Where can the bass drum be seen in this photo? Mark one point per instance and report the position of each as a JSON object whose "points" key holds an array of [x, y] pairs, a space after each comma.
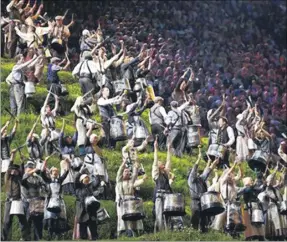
{"points": [[133, 209], [174, 204], [92, 205], [54, 205], [36, 206], [234, 218], [216, 151], [102, 215], [258, 160], [29, 89], [140, 132], [119, 86], [193, 138], [117, 129], [257, 217], [57, 45], [212, 203], [17, 207]]}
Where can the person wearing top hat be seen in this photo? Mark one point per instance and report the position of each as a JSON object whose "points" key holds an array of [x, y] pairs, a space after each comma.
{"points": [[226, 138], [13, 204]]}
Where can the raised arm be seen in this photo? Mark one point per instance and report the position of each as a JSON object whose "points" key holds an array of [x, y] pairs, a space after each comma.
{"points": [[120, 172], [5, 127], [56, 104], [29, 137], [168, 158], [155, 170], [109, 62], [193, 173], [27, 63]]}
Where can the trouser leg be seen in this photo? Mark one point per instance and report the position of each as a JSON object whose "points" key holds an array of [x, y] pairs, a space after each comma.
{"points": [[13, 105], [24, 227], [19, 98], [195, 219], [93, 228], [6, 227], [83, 230], [38, 227], [158, 130]]}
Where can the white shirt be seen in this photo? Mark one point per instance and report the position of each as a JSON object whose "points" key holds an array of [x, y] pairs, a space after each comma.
{"points": [[231, 136], [162, 112], [110, 101], [82, 68]]}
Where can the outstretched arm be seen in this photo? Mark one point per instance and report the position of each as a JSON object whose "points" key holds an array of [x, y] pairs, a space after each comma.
{"points": [[155, 170]]}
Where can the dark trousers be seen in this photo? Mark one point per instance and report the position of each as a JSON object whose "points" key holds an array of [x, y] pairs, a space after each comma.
{"points": [[7, 223], [157, 129], [37, 222], [86, 85], [93, 229], [198, 219], [110, 143]]}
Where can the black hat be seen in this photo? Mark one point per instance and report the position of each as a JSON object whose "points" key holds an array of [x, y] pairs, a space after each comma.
{"points": [[14, 167]]}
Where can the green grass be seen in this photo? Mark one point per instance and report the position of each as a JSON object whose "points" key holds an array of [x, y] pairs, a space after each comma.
{"points": [[180, 166]]}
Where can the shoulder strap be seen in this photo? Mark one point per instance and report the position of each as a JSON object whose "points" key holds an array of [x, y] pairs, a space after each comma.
{"points": [[176, 119], [89, 70], [81, 67]]}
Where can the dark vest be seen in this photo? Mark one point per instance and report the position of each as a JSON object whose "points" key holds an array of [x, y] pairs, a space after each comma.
{"points": [[52, 75], [222, 137]]}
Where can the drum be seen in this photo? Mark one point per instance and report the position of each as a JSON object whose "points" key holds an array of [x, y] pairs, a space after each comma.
{"points": [[215, 151], [257, 217], [36, 206], [17, 207], [212, 203], [5, 165], [77, 162], [193, 139], [100, 169], [258, 160], [132, 209], [119, 86], [196, 120], [140, 131], [234, 218], [283, 208], [29, 89], [57, 45], [54, 205], [102, 215], [117, 129], [92, 204], [251, 145], [174, 204]]}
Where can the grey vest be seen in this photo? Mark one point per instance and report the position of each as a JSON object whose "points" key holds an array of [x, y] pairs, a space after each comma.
{"points": [[155, 115]]}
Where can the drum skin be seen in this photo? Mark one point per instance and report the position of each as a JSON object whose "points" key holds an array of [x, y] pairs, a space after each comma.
{"points": [[133, 209], [174, 204], [258, 160], [215, 151], [17, 207], [212, 203]]}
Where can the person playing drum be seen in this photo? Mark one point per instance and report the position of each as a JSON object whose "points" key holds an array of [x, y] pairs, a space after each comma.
{"points": [[6, 141], [197, 186], [86, 219], [253, 219], [34, 190], [161, 176], [125, 189], [106, 112], [14, 204], [225, 138], [55, 218]]}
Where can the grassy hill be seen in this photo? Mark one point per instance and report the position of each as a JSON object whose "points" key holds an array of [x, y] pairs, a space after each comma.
{"points": [[180, 167]]}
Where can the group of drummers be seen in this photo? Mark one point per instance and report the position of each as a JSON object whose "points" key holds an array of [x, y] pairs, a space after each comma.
{"points": [[119, 89]]}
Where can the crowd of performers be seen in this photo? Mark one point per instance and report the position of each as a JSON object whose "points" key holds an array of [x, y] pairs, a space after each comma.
{"points": [[117, 86]]}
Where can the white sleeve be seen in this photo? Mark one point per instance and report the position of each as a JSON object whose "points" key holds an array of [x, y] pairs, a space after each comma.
{"points": [[282, 154], [76, 70], [231, 136], [162, 112], [103, 102]]}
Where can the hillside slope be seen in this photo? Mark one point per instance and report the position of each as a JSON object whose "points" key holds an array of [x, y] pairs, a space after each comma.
{"points": [[180, 167]]}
